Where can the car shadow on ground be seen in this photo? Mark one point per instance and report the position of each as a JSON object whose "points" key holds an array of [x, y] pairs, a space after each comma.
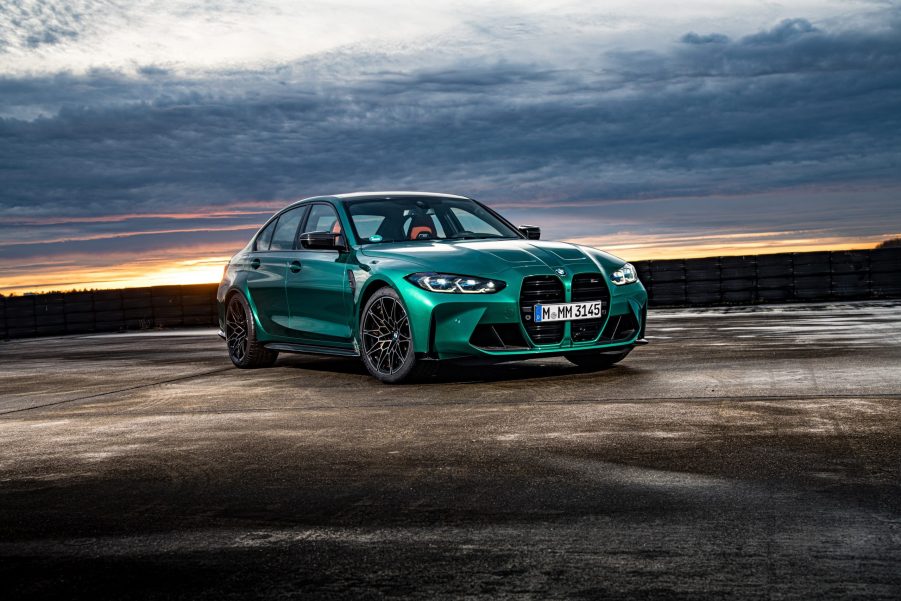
{"points": [[456, 373]]}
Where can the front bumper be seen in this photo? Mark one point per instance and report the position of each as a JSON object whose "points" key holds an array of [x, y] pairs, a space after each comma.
{"points": [[459, 326]]}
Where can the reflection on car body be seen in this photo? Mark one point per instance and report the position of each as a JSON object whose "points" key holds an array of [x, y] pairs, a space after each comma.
{"points": [[407, 280]]}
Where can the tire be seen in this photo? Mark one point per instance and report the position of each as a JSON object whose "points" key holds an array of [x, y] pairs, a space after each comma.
{"points": [[596, 361], [244, 349], [386, 340]]}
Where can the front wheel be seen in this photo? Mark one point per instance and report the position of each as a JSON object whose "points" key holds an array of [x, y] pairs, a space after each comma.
{"points": [[595, 361], [387, 339], [244, 349]]}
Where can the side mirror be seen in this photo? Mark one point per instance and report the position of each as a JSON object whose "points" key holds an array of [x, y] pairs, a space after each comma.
{"points": [[322, 241], [531, 232]]}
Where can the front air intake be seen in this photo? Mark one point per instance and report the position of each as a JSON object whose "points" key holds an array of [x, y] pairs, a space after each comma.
{"points": [[620, 328], [498, 337], [541, 289]]}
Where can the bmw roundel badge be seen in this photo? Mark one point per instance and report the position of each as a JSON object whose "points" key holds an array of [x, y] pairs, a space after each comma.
{"points": [[560, 271]]}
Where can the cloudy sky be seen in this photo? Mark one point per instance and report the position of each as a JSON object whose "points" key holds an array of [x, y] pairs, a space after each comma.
{"points": [[144, 142]]}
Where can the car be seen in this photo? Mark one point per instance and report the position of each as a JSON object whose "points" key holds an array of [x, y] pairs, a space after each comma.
{"points": [[408, 281]]}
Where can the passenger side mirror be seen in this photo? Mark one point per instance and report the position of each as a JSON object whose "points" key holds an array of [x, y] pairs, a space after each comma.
{"points": [[531, 232], [322, 241]]}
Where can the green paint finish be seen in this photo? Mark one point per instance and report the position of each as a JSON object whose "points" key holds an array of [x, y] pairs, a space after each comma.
{"points": [[315, 296]]}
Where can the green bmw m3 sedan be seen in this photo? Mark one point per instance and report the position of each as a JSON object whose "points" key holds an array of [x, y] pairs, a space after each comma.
{"points": [[408, 280]]}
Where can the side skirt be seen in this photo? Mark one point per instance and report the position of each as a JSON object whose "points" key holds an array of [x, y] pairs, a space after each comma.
{"points": [[311, 349]]}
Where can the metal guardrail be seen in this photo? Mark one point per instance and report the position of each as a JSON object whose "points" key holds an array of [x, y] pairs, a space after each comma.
{"points": [[745, 280]]}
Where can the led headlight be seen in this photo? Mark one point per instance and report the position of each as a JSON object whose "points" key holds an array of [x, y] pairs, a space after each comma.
{"points": [[624, 275], [456, 284]]}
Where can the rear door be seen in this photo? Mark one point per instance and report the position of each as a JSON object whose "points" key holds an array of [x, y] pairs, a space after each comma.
{"points": [[319, 295], [267, 269]]}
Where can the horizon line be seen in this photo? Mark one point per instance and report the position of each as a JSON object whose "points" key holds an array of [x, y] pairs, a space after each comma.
{"points": [[177, 280]]}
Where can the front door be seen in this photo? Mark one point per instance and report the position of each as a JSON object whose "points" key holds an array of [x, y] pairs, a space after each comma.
{"points": [[319, 294]]}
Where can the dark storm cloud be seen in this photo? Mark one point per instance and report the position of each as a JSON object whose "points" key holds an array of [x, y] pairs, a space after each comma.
{"points": [[793, 46], [710, 38], [68, 232], [794, 106]]}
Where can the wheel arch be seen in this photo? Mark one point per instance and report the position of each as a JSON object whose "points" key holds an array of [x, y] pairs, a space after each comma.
{"points": [[231, 292], [423, 338], [253, 350], [235, 290], [372, 286], [222, 305]]}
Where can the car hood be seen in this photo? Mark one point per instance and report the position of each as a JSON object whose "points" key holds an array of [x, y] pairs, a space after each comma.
{"points": [[491, 257]]}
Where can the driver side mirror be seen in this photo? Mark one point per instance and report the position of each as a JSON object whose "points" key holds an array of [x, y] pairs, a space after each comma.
{"points": [[531, 232], [322, 241]]}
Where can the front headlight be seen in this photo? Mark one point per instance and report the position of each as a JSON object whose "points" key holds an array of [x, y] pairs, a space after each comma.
{"points": [[624, 275], [456, 284]]}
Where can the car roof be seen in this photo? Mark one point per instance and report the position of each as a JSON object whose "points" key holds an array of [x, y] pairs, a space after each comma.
{"points": [[373, 195], [393, 194]]}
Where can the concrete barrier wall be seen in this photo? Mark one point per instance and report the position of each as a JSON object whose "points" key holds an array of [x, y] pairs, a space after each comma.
{"points": [[108, 310], [779, 278]]}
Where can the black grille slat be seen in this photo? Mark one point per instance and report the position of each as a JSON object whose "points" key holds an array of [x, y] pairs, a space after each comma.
{"points": [[589, 287], [498, 337], [541, 289], [549, 289]]}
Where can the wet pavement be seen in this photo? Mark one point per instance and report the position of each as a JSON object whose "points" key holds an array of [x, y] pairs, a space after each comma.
{"points": [[750, 453]]}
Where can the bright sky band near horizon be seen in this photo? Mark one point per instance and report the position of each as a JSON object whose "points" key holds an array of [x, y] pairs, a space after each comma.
{"points": [[144, 143]]}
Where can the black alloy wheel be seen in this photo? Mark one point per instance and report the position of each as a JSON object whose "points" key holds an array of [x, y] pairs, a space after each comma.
{"points": [[387, 339], [240, 335]]}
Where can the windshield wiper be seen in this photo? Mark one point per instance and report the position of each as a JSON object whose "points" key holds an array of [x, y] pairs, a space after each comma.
{"points": [[472, 236]]}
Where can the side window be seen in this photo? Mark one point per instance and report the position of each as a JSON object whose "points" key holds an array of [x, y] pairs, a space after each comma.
{"points": [[288, 222], [323, 218], [265, 237]]}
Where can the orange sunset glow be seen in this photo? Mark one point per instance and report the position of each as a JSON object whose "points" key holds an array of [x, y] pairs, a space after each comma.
{"points": [[201, 270], [638, 248], [206, 266]]}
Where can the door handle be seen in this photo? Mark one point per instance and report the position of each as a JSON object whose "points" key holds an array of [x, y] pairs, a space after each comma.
{"points": [[255, 263], [294, 266]]}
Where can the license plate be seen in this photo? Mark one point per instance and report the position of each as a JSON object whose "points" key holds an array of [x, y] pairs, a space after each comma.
{"points": [[568, 311]]}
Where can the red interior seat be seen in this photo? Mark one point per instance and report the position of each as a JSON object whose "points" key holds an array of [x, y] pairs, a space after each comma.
{"points": [[421, 224]]}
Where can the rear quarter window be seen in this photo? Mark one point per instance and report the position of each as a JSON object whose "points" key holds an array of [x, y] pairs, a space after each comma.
{"points": [[265, 237]]}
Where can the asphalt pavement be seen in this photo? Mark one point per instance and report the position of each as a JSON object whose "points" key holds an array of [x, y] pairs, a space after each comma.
{"points": [[745, 453]]}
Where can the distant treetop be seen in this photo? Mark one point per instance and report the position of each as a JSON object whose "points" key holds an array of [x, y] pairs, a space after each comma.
{"points": [[890, 243]]}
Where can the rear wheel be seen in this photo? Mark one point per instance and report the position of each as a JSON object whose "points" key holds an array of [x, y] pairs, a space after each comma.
{"points": [[244, 349], [387, 340], [597, 361]]}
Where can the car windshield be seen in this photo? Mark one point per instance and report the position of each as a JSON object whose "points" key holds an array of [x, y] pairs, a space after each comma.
{"points": [[424, 218]]}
